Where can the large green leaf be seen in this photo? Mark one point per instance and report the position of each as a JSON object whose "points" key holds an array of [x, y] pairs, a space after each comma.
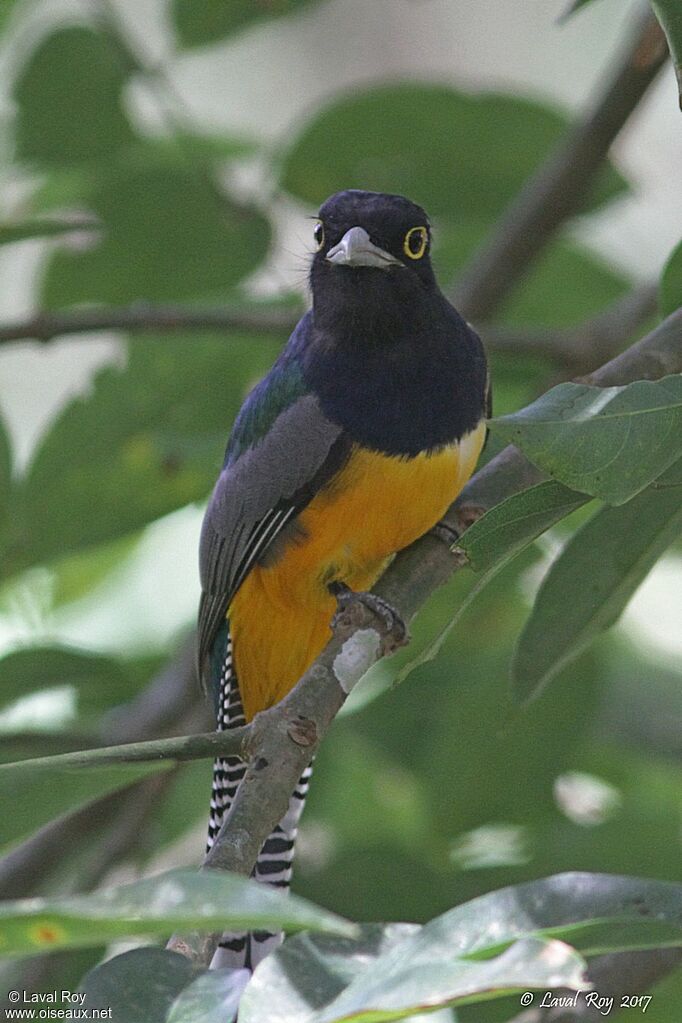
{"points": [[100, 681], [490, 544], [610, 442], [167, 235], [591, 582], [310, 970], [213, 20], [433, 965], [30, 798], [210, 900], [669, 14], [671, 283], [456, 154], [69, 100], [517, 521], [138, 986], [144, 441], [427, 983], [211, 997]]}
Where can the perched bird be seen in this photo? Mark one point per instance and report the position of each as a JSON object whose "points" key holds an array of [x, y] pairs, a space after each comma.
{"points": [[356, 442]]}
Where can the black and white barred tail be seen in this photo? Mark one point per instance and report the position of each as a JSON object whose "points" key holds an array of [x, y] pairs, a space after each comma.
{"points": [[274, 864]]}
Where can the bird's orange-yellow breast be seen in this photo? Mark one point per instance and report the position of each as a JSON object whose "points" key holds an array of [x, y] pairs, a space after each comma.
{"points": [[376, 505]]}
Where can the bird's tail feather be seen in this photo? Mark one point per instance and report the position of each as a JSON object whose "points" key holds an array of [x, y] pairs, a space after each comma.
{"points": [[274, 863]]}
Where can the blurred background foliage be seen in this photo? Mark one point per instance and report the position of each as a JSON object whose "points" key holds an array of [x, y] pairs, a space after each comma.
{"points": [[425, 794]]}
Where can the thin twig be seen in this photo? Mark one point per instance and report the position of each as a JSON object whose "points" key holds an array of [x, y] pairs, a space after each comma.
{"points": [[559, 188], [183, 747]]}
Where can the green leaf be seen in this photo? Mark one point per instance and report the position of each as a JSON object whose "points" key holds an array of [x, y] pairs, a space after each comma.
{"points": [[610, 442], [309, 970], [672, 477], [456, 154], [214, 20], [167, 234], [671, 283], [100, 681], [211, 997], [431, 982], [432, 965], [490, 544], [669, 14], [514, 523], [591, 582], [137, 986], [184, 900], [26, 808], [144, 441], [69, 100], [311, 974]]}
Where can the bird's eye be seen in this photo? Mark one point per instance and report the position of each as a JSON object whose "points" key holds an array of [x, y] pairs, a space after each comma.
{"points": [[415, 242], [318, 235]]}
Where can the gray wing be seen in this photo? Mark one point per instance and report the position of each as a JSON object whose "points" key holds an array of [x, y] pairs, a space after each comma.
{"points": [[255, 497]]}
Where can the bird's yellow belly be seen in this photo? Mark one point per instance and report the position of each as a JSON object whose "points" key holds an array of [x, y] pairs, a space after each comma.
{"points": [[376, 505]]}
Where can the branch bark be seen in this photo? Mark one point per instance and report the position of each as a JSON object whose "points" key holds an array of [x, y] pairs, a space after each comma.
{"points": [[558, 189], [283, 739]]}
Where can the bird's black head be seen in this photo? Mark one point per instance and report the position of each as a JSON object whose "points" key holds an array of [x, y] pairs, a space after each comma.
{"points": [[372, 257]]}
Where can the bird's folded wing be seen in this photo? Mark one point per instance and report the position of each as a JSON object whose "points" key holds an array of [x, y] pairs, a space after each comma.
{"points": [[256, 496]]}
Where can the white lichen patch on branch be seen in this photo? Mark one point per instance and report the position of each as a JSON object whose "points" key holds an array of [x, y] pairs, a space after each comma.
{"points": [[356, 656]]}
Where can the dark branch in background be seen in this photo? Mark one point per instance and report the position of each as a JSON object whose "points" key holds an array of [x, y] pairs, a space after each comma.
{"points": [[574, 350], [282, 740], [46, 326], [577, 350], [559, 188]]}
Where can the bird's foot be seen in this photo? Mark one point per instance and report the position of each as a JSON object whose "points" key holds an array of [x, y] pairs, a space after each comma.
{"points": [[357, 609]]}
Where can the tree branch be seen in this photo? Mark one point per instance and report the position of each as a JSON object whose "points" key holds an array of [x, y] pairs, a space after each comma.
{"points": [[559, 188], [579, 349], [45, 326], [284, 738], [575, 350]]}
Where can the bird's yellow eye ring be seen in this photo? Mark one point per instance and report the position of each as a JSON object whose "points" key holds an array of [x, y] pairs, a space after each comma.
{"points": [[318, 235], [415, 242]]}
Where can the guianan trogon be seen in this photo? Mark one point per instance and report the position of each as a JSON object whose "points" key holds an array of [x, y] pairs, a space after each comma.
{"points": [[355, 443]]}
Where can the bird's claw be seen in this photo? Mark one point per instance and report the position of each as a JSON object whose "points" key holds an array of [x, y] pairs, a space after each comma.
{"points": [[352, 612]]}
